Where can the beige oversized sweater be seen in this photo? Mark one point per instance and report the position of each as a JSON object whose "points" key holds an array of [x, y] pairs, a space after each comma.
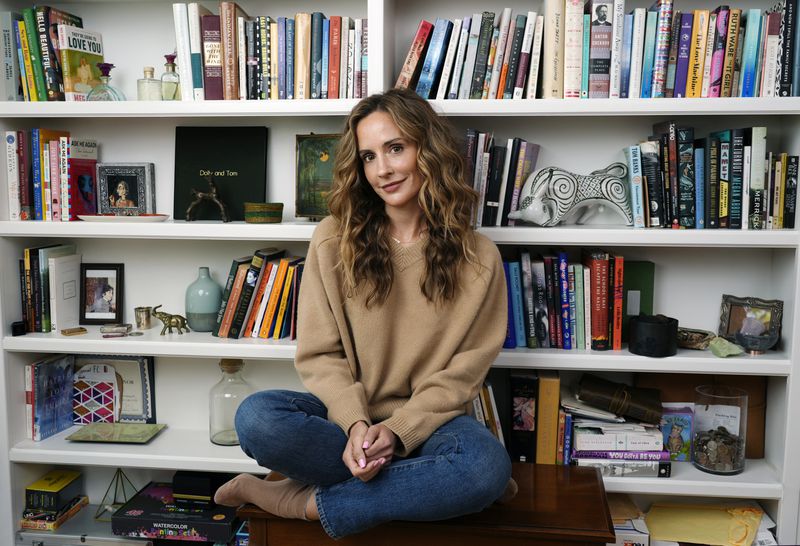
{"points": [[408, 363]]}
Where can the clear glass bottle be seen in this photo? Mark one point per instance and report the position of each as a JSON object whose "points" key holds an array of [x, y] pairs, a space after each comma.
{"points": [[170, 80], [104, 91], [148, 87], [224, 400]]}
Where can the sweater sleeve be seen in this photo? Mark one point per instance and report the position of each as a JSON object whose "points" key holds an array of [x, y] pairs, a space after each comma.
{"points": [[444, 395], [321, 359]]}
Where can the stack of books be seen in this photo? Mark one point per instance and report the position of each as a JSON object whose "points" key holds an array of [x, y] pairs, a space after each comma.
{"points": [[53, 499]]}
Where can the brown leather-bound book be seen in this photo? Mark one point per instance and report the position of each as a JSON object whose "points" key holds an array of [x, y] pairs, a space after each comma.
{"points": [[635, 402], [228, 12], [212, 57]]}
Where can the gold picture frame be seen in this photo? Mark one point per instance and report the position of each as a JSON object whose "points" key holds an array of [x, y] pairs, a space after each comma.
{"points": [[314, 174]]}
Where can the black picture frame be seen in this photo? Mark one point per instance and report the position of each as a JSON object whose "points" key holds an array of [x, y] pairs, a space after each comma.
{"points": [[315, 156], [734, 310], [96, 306], [126, 189], [138, 380]]}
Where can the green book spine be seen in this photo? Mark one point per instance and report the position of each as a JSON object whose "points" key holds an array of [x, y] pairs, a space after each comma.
{"points": [[29, 15]]}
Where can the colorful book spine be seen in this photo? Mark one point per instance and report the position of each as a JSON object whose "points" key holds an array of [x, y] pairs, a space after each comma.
{"points": [[34, 51], [686, 180], [625, 66], [573, 48], [12, 175], [563, 290], [212, 58], [648, 58], [699, 184], [587, 42], [536, 58], [718, 54], [694, 81], [326, 36], [623, 455], [412, 65], [290, 58], [315, 67], [434, 58], [684, 49], [752, 41], [481, 55], [615, 68], [516, 302], [517, 37], [511, 336], [672, 64], [553, 51], [731, 45], [29, 85], [736, 179], [661, 52]]}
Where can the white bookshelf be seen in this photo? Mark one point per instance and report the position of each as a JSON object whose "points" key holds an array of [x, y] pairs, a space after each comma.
{"points": [[693, 268]]}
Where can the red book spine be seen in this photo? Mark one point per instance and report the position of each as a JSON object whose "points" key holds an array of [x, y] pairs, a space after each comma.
{"points": [[413, 62], [23, 163], [619, 268], [334, 56], [598, 266], [212, 57]]}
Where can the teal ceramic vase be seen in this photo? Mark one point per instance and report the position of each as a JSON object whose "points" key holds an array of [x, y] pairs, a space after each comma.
{"points": [[203, 298]]}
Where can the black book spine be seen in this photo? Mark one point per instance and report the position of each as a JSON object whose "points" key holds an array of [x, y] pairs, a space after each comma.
{"points": [[712, 183], [663, 171], [226, 294], [492, 198], [735, 213], [787, 51], [36, 282], [513, 60], [512, 174], [248, 288], [686, 193], [790, 198], [650, 170], [482, 55], [522, 440], [23, 292]]}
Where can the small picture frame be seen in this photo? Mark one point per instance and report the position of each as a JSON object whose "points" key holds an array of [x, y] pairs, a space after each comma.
{"points": [[750, 316], [102, 291], [126, 189], [314, 174], [138, 384]]}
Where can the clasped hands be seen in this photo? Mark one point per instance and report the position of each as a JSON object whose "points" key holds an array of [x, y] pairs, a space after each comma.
{"points": [[368, 449]]}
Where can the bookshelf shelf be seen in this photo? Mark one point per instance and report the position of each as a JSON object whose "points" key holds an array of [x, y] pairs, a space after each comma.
{"points": [[620, 107], [177, 109], [758, 481], [173, 448]]}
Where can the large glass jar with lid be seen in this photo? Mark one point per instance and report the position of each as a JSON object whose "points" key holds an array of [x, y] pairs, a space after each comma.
{"points": [[224, 400]]}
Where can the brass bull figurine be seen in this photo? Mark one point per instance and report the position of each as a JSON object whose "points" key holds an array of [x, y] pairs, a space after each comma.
{"points": [[169, 321]]}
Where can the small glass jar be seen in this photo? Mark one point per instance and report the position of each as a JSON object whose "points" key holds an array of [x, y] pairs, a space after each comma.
{"points": [[720, 429], [224, 400], [170, 80], [148, 87], [104, 91]]}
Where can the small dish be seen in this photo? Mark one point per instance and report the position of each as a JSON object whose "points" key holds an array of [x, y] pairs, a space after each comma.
{"points": [[132, 219]]}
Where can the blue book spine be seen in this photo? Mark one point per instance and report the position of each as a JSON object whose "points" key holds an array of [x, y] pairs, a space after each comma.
{"points": [[635, 180], [700, 188], [752, 41], [18, 44], [511, 335], [649, 53], [326, 36], [281, 57], [567, 438], [516, 294], [289, 58], [795, 57], [587, 40], [627, 36], [316, 54], [432, 67], [36, 164], [573, 305], [684, 49], [563, 289]]}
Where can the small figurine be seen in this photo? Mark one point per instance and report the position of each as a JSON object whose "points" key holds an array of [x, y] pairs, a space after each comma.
{"points": [[169, 321], [211, 195], [550, 195]]}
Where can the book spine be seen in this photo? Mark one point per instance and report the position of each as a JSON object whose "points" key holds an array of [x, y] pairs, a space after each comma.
{"points": [[272, 68], [598, 265], [26, 71], [623, 455], [234, 301], [274, 300], [180, 14], [12, 175], [226, 293], [29, 401], [709, 53], [568, 439], [458, 62], [648, 57], [525, 55], [694, 80], [573, 48], [563, 287], [40, 88], [316, 55], [573, 308], [684, 48], [63, 170], [38, 206], [650, 171], [615, 68], [252, 64], [25, 182], [449, 60], [334, 56], [718, 54], [752, 40], [536, 58], [579, 330], [553, 54], [735, 214], [723, 187], [516, 38], [731, 44], [661, 58], [540, 304], [212, 57], [699, 184], [516, 301], [588, 440], [229, 50], [553, 315], [364, 57], [326, 46], [262, 306], [55, 181], [686, 190], [528, 308], [277, 331], [355, 86], [638, 469], [712, 184], [672, 63], [587, 308], [634, 157], [637, 53], [600, 61], [619, 277], [302, 56], [625, 65], [195, 11], [412, 65], [241, 55], [790, 199], [500, 57], [246, 298], [562, 420], [547, 417], [11, 77], [434, 58], [783, 85], [264, 54]]}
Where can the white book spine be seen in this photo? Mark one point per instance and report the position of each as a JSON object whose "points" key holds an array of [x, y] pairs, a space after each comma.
{"points": [[12, 176], [241, 57], [587, 308], [618, 23], [746, 188], [48, 194], [195, 11], [637, 52], [553, 54], [458, 63], [536, 56], [351, 57], [450, 56], [709, 53], [771, 52], [29, 401], [573, 48], [482, 189], [262, 308], [359, 29], [469, 59], [343, 56], [181, 20], [63, 166], [53, 295], [502, 40], [527, 43]]}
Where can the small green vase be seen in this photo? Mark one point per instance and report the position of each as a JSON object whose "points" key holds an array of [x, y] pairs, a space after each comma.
{"points": [[203, 298]]}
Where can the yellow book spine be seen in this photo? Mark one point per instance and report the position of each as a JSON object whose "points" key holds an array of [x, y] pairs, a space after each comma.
{"points": [[274, 299], [302, 56], [287, 287], [26, 59], [694, 83], [547, 417], [734, 22], [273, 60]]}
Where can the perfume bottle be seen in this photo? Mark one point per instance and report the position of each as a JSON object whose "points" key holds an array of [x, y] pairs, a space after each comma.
{"points": [[224, 400], [148, 88], [170, 80], [104, 91]]}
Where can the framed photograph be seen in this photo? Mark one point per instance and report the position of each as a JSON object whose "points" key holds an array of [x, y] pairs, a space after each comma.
{"points": [[138, 384], [750, 316], [314, 174], [126, 189], [101, 293]]}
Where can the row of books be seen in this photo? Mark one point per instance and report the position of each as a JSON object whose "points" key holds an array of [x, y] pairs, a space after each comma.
{"points": [[556, 303], [727, 179], [260, 296], [594, 49], [43, 272], [50, 176], [53, 499], [498, 174], [233, 56]]}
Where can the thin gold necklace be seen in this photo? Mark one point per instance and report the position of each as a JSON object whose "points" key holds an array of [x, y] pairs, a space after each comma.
{"points": [[415, 239]]}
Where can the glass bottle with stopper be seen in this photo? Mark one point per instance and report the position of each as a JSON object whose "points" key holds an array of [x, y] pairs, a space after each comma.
{"points": [[170, 80], [148, 87], [104, 91]]}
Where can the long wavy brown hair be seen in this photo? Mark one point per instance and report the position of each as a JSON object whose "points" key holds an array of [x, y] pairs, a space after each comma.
{"points": [[446, 199]]}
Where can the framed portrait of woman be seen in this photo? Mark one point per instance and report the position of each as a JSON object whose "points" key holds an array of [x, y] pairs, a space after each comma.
{"points": [[126, 189], [101, 293]]}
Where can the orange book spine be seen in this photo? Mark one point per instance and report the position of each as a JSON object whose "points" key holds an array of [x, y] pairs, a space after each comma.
{"points": [[233, 300], [257, 301], [274, 298], [547, 417], [287, 287], [562, 421], [619, 270]]}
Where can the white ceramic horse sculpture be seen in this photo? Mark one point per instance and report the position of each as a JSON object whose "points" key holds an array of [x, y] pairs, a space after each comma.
{"points": [[551, 195]]}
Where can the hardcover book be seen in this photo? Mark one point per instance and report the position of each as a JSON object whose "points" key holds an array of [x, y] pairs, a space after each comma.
{"points": [[152, 512], [235, 158], [49, 390], [47, 21]]}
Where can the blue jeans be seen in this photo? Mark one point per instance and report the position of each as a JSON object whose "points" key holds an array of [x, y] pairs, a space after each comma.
{"points": [[459, 470]]}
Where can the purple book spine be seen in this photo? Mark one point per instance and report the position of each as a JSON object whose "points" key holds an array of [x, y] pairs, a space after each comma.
{"points": [[684, 48], [622, 455], [718, 56]]}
